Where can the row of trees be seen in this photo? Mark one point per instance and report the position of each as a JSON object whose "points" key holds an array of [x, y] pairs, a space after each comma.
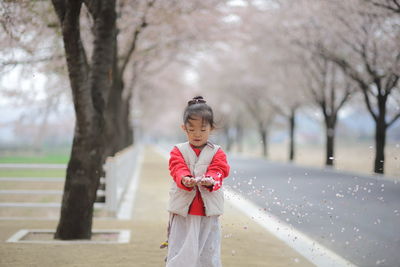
{"points": [[109, 47], [320, 53], [262, 59]]}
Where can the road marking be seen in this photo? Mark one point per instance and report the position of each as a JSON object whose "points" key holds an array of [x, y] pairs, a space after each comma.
{"points": [[306, 246]]}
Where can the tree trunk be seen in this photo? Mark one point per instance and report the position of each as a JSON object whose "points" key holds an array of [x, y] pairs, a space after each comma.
{"points": [[330, 125], [380, 141], [228, 138], [115, 131], [264, 138], [126, 124], [292, 123], [90, 86], [226, 135], [120, 128], [380, 132], [113, 113], [80, 188], [239, 136]]}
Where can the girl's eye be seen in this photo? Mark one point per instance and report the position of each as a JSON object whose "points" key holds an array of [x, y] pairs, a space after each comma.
{"points": [[203, 130]]}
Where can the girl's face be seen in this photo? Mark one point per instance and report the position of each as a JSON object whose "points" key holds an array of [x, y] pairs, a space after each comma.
{"points": [[196, 132]]}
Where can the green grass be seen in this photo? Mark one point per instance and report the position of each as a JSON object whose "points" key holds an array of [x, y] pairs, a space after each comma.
{"points": [[46, 155], [55, 159], [32, 172]]}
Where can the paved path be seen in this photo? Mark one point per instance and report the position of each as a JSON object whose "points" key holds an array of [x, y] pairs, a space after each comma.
{"points": [[355, 216], [245, 243]]}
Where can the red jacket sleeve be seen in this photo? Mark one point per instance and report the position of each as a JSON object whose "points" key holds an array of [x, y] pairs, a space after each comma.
{"points": [[178, 168], [218, 169]]}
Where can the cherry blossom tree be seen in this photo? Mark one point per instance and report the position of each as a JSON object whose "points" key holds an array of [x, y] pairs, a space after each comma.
{"points": [[365, 46]]}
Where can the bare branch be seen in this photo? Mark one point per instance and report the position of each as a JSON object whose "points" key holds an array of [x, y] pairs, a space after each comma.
{"points": [[136, 33], [368, 102], [396, 117], [391, 83], [392, 5], [31, 61]]}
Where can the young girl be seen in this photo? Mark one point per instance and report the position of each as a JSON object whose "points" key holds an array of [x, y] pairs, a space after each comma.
{"points": [[198, 168]]}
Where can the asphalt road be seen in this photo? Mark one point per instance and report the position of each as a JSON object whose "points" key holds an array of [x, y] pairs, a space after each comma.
{"points": [[355, 216]]}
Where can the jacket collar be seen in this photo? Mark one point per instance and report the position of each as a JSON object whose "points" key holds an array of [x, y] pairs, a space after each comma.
{"points": [[210, 144], [207, 144]]}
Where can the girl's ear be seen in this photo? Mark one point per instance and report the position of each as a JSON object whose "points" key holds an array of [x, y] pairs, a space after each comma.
{"points": [[183, 127]]}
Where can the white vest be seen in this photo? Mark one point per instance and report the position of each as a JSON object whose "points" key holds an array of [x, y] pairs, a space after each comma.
{"points": [[181, 199]]}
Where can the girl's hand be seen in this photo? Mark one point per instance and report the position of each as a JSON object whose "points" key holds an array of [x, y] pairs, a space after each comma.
{"points": [[188, 181], [207, 181]]}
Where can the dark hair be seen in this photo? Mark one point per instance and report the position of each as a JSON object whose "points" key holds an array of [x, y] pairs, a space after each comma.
{"points": [[197, 107]]}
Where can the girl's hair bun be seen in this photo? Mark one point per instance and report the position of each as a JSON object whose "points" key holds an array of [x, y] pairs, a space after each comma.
{"points": [[196, 100], [197, 107]]}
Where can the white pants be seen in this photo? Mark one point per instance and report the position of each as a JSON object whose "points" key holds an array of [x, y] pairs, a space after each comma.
{"points": [[194, 241]]}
